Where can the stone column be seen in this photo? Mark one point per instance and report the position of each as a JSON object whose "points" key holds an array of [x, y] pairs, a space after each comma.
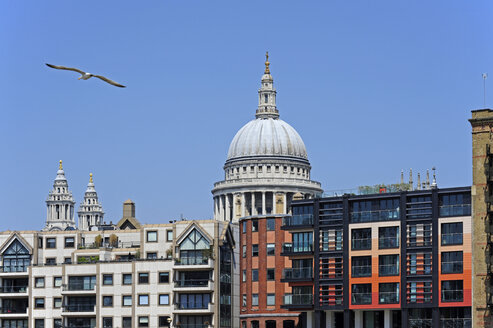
{"points": [[243, 201], [215, 208], [254, 210], [227, 208], [285, 199], [221, 207], [263, 203], [234, 207], [273, 203], [386, 320]]}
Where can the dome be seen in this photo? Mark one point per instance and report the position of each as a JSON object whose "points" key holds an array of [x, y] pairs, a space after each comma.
{"points": [[267, 137]]}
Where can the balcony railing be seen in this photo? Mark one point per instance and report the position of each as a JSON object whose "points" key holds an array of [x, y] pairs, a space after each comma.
{"points": [[297, 220], [298, 273], [455, 210], [360, 243], [388, 297], [452, 267], [298, 299], [78, 287], [8, 310], [192, 261], [361, 298], [455, 323], [193, 326], [379, 215], [452, 295], [388, 242], [79, 308], [451, 239], [192, 306], [297, 248], [13, 289], [361, 270], [18, 268], [420, 323], [388, 270], [192, 283]]}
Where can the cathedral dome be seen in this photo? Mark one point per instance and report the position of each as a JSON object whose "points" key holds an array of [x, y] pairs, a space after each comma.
{"points": [[269, 137]]}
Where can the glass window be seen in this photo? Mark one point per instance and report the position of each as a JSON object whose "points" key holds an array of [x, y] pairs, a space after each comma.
{"points": [[244, 226], [39, 282], [254, 250], [271, 224], [254, 225], [452, 233], [50, 261], [271, 274], [452, 291], [107, 300], [39, 323], [127, 300], [243, 251], [255, 275], [163, 299], [57, 302], [361, 239], [163, 277], [127, 278], [254, 299], [57, 323], [255, 324], [169, 235], [152, 256], [452, 262], [67, 260], [40, 242], [143, 277], [361, 266], [243, 324], [144, 299], [107, 279], [164, 321], [39, 303], [455, 205], [107, 322], [361, 294], [57, 281], [388, 293], [375, 210], [69, 242], [388, 237], [388, 265], [271, 249], [302, 242], [243, 276], [151, 236], [195, 249], [271, 299], [127, 322], [143, 321], [50, 242], [244, 300]]}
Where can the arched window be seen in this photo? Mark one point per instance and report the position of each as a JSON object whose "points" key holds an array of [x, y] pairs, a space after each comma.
{"points": [[16, 258], [195, 249]]}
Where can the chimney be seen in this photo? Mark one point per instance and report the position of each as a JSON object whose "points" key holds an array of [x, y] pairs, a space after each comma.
{"points": [[128, 209]]}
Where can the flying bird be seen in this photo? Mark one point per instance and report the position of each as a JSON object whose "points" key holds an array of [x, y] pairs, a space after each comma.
{"points": [[86, 75]]}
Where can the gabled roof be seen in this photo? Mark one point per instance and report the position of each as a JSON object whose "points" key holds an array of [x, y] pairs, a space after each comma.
{"points": [[13, 237], [131, 223], [189, 228]]}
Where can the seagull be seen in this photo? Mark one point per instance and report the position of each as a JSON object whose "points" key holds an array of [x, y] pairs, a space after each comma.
{"points": [[86, 75]]}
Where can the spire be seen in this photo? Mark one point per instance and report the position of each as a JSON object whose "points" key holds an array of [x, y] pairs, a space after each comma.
{"points": [[419, 181], [402, 176], [60, 167], [267, 95], [90, 209], [434, 183], [90, 178], [427, 179], [411, 178]]}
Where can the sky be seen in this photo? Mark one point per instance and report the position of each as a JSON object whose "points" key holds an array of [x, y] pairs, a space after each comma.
{"points": [[373, 88]]}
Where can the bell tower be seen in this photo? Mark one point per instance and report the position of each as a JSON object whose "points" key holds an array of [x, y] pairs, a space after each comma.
{"points": [[90, 210]]}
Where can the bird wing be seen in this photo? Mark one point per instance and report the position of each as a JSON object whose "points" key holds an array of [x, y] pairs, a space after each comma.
{"points": [[109, 81], [66, 68]]}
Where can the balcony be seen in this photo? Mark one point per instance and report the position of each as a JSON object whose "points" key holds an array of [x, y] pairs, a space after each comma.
{"points": [[14, 310], [451, 239], [455, 322], [455, 210], [373, 216], [194, 263], [78, 289], [297, 221], [16, 290], [388, 242], [297, 274], [79, 310], [388, 297], [195, 284], [388, 270], [360, 298], [289, 249], [185, 308], [360, 244], [298, 301], [452, 267], [360, 271], [16, 270]]}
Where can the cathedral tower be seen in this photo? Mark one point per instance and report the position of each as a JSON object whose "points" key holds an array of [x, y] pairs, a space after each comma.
{"points": [[60, 204], [90, 210]]}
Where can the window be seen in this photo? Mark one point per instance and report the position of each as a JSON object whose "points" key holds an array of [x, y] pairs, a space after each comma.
{"points": [[388, 237], [50, 243], [243, 324], [107, 300], [271, 274], [388, 265], [452, 291], [331, 240], [57, 302], [163, 299], [244, 226], [50, 261], [375, 210], [107, 322], [164, 277], [271, 299], [39, 282], [57, 281], [244, 300], [255, 324], [452, 262], [455, 205], [143, 321], [254, 225], [69, 242], [151, 236], [67, 260], [57, 323], [169, 235], [127, 300], [452, 233], [361, 266], [360, 239], [255, 275], [39, 323], [39, 303], [243, 251], [144, 299], [254, 299], [243, 276], [143, 277], [254, 250], [127, 322], [388, 293], [151, 256], [195, 249], [107, 279], [271, 224], [271, 249], [127, 278], [164, 321], [40, 242], [302, 242], [361, 294]]}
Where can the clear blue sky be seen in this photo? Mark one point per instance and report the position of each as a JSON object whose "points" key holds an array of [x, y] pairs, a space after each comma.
{"points": [[372, 87]]}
